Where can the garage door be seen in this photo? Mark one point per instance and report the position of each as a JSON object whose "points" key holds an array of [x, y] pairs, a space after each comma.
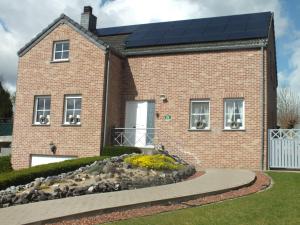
{"points": [[45, 159]]}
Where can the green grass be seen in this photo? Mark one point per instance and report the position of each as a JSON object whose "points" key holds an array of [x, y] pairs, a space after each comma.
{"points": [[279, 205], [5, 165]]}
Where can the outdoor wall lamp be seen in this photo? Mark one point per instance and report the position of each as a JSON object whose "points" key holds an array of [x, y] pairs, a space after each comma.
{"points": [[52, 147], [163, 97]]}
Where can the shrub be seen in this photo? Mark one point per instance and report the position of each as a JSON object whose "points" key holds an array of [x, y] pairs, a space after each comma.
{"points": [[119, 150], [25, 176], [156, 162], [5, 165]]}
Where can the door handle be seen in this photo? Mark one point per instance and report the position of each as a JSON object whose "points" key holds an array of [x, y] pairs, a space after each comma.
{"points": [[134, 127]]}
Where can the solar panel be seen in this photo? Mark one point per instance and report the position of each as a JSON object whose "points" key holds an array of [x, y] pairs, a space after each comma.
{"points": [[198, 31], [116, 30]]}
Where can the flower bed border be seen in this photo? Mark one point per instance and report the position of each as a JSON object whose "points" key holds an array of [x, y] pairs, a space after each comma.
{"points": [[262, 182]]}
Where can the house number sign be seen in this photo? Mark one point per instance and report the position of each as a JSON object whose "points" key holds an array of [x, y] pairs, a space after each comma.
{"points": [[167, 117]]}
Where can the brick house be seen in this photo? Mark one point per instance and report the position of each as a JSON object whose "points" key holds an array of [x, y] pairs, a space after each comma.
{"points": [[204, 88]]}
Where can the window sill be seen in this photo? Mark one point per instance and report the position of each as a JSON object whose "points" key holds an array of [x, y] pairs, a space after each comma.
{"points": [[71, 125], [60, 61], [234, 129], [199, 130], [41, 125]]}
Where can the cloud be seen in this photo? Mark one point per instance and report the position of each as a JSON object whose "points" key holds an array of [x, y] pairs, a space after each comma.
{"points": [[20, 21], [293, 78]]}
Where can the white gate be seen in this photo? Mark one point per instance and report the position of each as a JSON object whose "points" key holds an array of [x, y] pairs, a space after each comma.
{"points": [[284, 148]]}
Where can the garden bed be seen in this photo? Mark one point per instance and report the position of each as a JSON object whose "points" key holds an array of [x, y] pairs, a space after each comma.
{"points": [[111, 174]]}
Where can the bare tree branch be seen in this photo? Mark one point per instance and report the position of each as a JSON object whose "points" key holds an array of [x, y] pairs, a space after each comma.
{"points": [[288, 108]]}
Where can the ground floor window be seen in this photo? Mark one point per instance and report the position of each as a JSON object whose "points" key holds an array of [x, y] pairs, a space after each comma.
{"points": [[72, 110], [234, 117], [200, 115], [42, 110]]}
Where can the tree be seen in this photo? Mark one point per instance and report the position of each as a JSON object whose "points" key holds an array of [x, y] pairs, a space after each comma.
{"points": [[6, 107], [288, 108]]}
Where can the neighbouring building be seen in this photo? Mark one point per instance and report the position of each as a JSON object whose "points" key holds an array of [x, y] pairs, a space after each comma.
{"points": [[204, 88]]}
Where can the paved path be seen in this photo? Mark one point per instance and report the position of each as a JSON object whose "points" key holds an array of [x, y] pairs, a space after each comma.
{"points": [[214, 180]]}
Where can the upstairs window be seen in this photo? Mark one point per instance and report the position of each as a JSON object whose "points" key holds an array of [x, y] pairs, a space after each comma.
{"points": [[72, 110], [200, 115], [42, 110], [61, 51], [234, 114]]}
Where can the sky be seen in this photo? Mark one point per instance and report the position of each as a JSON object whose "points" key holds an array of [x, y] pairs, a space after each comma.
{"points": [[21, 20]]}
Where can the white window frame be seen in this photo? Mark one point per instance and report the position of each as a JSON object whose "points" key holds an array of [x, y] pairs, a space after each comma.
{"points": [[199, 114], [74, 109], [35, 119], [234, 99], [62, 51]]}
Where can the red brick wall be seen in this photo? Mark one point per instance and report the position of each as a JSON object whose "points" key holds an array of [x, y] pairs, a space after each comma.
{"points": [[211, 75], [114, 94], [83, 74], [208, 75]]}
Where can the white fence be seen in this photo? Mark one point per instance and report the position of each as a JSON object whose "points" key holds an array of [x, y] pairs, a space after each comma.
{"points": [[138, 137], [284, 148]]}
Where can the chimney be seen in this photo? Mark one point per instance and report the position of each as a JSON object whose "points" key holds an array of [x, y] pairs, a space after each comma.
{"points": [[88, 20]]}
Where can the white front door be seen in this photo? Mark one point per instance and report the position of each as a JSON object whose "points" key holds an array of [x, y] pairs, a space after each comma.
{"points": [[137, 122]]}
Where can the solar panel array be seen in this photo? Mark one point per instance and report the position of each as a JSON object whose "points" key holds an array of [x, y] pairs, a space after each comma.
{"points": [[117, 30], [226, 28]]}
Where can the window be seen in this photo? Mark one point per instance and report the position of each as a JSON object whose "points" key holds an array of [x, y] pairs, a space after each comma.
{"points": [[42, 110], [200, 115], [72, 110], [234, 114], [61, 51]]}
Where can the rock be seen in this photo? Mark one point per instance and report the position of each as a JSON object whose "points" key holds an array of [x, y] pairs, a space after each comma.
{"points": [[108, 168], [37, 183], [97, 178], [62, 176], [66, 188], [101, 187], [90, 190], [5, 205], [42, 197], [55, 187], [73, 184], [79, 190], [51, 180], [126, 166], [163, 175]]}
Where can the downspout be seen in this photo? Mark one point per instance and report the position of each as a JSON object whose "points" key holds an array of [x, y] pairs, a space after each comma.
{"points": [[107, 56], [263, 108]]}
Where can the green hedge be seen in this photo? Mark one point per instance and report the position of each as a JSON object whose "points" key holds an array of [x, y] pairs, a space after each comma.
{"points": [[25, 176], [119, 150], [5, 165]]}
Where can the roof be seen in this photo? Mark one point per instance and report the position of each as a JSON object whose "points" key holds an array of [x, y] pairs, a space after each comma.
{"points": [[195, 31], [213, 33], [63, 19]]}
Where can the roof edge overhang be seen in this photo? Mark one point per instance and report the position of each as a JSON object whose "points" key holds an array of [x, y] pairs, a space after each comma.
{"points": [[257, 45], [63, 19]]}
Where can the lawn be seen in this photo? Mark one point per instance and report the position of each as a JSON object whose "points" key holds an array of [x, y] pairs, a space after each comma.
{"points": [[278, 205]]}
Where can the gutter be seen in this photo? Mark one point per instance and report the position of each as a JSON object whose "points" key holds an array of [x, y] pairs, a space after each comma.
{"points": [[262, 43], [107, 65]]}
